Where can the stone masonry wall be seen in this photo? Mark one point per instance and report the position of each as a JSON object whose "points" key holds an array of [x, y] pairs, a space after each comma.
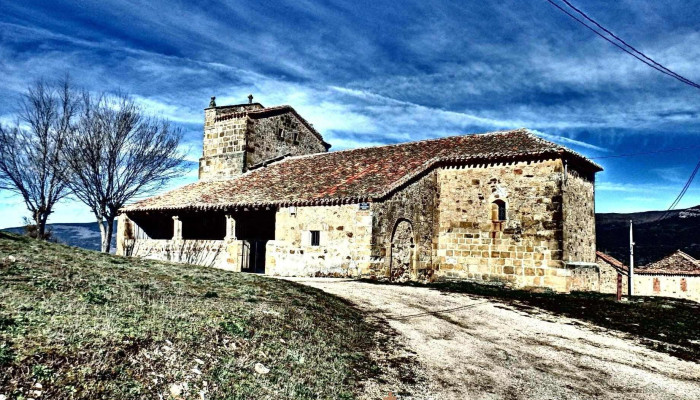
{"points": [[585, 278], [608, 278], [279, 135], [209, 253], [344, 248], [224, 144], [417, 204], [579, 218], [522, 251]]}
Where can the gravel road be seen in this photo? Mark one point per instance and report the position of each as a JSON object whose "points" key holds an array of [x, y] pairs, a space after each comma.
{"points": [[470, 347]]}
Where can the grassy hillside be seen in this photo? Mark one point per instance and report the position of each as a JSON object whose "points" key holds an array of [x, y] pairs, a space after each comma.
{"points": [[79, 324]]}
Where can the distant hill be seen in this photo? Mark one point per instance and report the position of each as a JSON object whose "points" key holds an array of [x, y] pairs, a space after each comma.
{"points": [[83, 235], [654, 240]]}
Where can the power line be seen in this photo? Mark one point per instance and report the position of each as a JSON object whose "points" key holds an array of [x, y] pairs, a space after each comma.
{"points": [[677, 76], [633, 52], [681, 194]]}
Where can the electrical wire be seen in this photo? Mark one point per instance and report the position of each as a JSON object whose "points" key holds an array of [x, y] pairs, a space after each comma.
{"points": [[677, 76], [641, 57], [681, 194]]}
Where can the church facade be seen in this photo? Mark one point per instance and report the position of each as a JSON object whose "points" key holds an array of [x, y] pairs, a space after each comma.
{"points": [[503, 206]]}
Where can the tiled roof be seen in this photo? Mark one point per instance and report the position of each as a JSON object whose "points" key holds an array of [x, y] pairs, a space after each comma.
{"points": [[678, 263], [356, 175], [614, 262]]}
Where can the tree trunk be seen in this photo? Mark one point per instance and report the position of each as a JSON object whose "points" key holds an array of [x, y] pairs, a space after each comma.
{"points": [[103, 235], [107, 243], [40, 221]]}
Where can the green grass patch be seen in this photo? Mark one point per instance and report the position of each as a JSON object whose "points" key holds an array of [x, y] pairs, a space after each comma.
{"points": [[664, 324], [85, 325]]}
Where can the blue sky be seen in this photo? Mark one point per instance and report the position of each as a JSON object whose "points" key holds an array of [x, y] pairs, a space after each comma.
{"points": [[375, 72]]}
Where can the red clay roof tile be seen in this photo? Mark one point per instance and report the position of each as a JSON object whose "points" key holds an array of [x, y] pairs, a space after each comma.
{"points": [[355, 175]]}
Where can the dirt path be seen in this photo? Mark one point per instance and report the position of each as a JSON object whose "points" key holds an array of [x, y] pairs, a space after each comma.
{"points": [[474, 348]]}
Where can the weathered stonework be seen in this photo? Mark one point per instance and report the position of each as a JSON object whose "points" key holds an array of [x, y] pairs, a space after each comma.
{"points": [[523, 250], [608, 278], [277, 136], [578, 216], [237, 138], [414, 206], [344, 243]]}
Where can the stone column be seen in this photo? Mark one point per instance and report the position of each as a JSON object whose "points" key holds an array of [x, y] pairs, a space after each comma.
{"points": [[177, 228], [230, 228]]}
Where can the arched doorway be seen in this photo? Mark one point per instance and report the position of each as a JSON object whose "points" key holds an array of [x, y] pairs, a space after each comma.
{"points": [[402, 248]]}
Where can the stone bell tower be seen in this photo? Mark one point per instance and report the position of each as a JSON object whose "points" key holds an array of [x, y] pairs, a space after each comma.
{"points": [[241, 137]]}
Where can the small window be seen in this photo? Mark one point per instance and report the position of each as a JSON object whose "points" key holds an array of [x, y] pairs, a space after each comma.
{"points": [[315, 238], [498, 210]]}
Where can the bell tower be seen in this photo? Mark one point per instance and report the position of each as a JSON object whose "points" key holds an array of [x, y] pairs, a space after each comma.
{"points": [[246, 136]]}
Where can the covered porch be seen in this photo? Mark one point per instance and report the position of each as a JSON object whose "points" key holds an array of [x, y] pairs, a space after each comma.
{"points": [[233, 239]]}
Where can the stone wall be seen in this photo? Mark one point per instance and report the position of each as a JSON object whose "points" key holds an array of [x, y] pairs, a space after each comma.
{"points": [[210, 253], [413, 206], [278, 135], [233, 142], [585, 278], [224, 143], [522, 251], [608, 278], [343, 250], [578, 198]]}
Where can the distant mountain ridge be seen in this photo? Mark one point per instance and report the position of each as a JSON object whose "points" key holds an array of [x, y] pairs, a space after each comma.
{"points": [[653, 239], [84, 235]]}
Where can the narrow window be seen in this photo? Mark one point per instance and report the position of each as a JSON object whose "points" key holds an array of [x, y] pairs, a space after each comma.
{"points": [[498, 210], [315, 238]]}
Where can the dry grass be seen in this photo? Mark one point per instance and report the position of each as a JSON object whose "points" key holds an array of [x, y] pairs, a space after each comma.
{"points": [[76, 324]]}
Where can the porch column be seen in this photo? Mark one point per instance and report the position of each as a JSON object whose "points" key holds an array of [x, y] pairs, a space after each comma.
{"points": [[230, 227], [177, 228]]}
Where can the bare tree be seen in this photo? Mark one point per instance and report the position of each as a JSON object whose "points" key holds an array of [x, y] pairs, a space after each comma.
{"points": [[31, 151], [118, 152]]}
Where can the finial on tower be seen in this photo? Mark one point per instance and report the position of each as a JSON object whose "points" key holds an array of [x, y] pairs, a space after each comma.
{"points": [[250, 99], [212, 102]]}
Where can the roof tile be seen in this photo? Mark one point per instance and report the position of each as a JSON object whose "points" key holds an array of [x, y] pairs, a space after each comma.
{"points": [[354, 175]]}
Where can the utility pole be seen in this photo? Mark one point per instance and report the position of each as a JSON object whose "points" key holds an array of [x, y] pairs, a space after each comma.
{"points": [[630, 279]]}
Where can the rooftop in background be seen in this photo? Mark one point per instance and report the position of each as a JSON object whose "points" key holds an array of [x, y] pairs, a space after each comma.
{"points": [[364, 174], [678, 263]]}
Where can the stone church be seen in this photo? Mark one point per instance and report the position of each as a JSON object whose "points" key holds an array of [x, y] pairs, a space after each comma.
{"points": [[502, 206]]}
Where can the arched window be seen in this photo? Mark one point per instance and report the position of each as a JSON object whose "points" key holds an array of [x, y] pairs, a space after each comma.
{"points": [[498, 210]]}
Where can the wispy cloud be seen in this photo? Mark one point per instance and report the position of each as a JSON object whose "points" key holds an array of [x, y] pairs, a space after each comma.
{"points": [[373, 73]]}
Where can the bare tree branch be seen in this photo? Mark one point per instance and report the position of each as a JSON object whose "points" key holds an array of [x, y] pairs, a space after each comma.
{"points": [[31, 156], [117, 153]]}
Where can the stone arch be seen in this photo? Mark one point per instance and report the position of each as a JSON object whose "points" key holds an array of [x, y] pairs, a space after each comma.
{"points": [[402, 251]]}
